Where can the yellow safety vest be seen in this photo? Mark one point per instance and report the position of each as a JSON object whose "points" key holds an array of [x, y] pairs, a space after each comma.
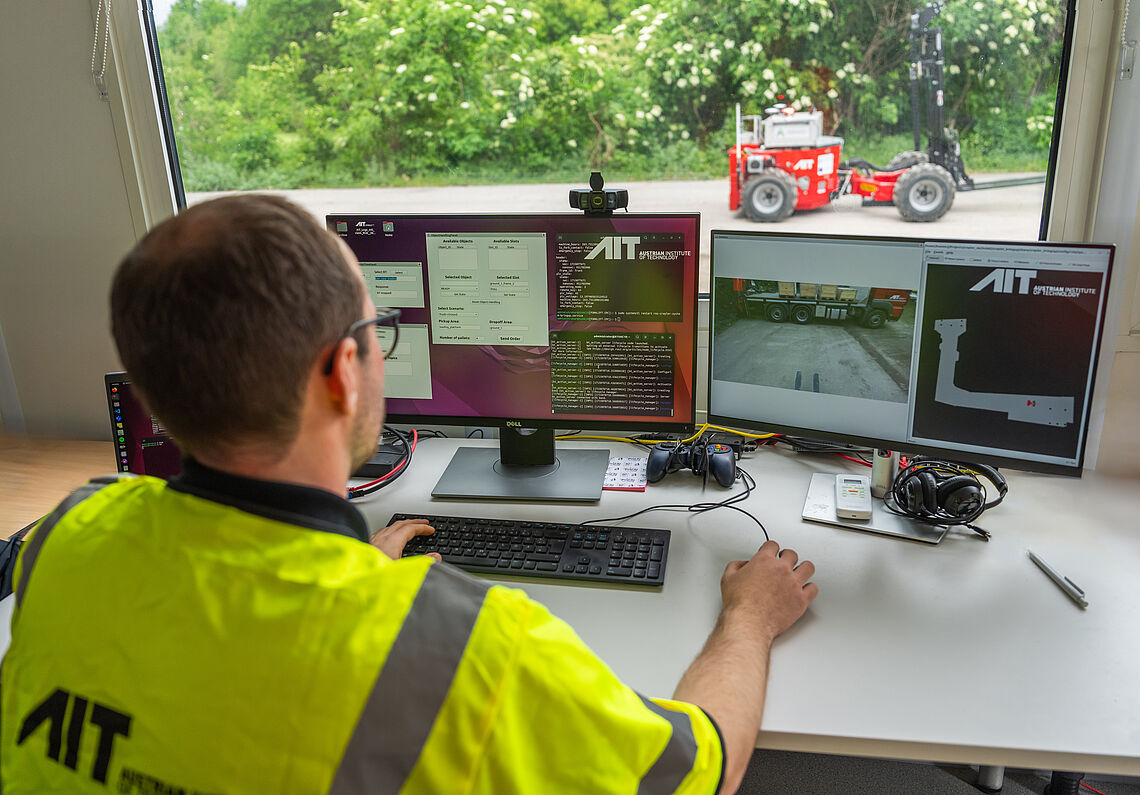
{"points": [[167, 643]]}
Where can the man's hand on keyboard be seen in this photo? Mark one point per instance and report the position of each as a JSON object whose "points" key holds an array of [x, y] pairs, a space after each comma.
{"points": [[391, 540]]}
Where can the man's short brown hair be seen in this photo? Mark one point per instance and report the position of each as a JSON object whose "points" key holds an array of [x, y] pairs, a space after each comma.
{"points": [[220, 312]]}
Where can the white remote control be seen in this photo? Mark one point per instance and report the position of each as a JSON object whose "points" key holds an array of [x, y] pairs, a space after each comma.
{"points": [[852, 497]]}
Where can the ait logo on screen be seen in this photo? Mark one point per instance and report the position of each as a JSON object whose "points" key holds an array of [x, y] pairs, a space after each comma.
{"points": [[1006, 280], [616, 248]]}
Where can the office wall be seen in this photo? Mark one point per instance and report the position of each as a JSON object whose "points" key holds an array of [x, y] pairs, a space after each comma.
{"points": [[65, 219]]}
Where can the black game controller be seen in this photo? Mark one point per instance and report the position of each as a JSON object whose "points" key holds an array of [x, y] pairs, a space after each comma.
{"points": [[703, 459]]}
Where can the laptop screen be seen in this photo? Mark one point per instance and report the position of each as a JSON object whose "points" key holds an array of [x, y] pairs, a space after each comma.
{"points": [[142, 445]]}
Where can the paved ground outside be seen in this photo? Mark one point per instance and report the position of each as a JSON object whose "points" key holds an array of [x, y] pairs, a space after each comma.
{"points": [[1012, 213], [836, 357]]}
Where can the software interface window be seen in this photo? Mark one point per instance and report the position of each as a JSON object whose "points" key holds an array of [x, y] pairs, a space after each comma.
{"points": [[556, 318], [973, 347]]}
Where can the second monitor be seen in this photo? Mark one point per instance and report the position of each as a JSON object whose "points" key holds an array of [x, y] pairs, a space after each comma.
{"points": [[529, 323]]}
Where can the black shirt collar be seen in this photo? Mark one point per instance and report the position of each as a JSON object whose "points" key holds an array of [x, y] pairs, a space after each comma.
{"points": [[305, 506]]}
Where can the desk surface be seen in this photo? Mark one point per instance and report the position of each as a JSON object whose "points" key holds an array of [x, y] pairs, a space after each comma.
{"points": [[36, 474], [963, 652]]}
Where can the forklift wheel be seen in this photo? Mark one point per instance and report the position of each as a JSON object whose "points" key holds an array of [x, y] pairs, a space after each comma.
{"points": [[769, 196], [924, 192]]}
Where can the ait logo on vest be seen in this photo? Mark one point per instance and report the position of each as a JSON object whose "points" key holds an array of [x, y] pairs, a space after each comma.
{"points": [[53, 710]]}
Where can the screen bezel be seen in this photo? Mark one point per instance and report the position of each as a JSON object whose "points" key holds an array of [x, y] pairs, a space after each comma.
{"points": [[897, 444], [665, 426]]}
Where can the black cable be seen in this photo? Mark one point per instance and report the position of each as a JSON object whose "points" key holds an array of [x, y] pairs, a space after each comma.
{"points": [[700, 507], [896, 500], [802, 444]]}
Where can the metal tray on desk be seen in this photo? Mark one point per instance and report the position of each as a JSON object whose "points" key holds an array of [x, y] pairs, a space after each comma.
{"points": [[819, 506]]}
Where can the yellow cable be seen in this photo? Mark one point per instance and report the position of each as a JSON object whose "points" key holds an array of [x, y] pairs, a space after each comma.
{"points": [[700, 432]]}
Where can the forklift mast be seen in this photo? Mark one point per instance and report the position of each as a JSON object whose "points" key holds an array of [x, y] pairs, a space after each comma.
{"points": [[926, 67]]}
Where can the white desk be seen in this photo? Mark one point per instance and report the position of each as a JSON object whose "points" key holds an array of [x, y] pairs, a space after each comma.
{"points": [[963, 652]]}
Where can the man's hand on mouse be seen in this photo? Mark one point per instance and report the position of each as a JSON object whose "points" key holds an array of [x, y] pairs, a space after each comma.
{"points": [[770, 591], [392, 539]]}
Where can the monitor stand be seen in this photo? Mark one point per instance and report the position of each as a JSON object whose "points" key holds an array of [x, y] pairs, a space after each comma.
{"points": [[526, 466], [820, 507]]}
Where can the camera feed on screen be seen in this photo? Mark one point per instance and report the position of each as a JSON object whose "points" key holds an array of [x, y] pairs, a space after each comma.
{"points": [[841, 339], [983, 348]]}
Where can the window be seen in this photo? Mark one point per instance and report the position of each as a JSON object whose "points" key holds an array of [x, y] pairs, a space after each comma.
{"points": [[347, 105]]}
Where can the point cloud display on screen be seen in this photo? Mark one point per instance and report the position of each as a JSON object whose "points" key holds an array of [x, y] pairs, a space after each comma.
{"points": [[986, 348], [560, 319]]}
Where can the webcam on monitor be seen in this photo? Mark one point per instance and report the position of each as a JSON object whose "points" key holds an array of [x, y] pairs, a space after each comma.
{"points": [[599, 200]]}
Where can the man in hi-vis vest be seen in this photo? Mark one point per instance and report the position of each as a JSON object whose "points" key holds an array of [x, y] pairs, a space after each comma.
{"points": [[234, 631]]}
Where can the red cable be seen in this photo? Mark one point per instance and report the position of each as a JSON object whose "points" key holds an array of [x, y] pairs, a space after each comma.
{"points": [[856, 460], [1091, 789], [393, 471]]}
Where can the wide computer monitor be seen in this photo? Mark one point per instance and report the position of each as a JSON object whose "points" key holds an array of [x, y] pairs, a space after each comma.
{"points": [[531, 323], [970, 350]]}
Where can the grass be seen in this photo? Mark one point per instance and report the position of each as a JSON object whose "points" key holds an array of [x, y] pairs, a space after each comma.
{"points": [[682, 160]]}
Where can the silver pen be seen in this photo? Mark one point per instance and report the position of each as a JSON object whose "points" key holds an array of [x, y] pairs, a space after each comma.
{"points": [[1064, 583]]}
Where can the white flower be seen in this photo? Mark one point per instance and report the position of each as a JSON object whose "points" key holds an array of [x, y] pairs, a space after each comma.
{"points": [[572, 143], [432, 97], [813, 27], [395, 31], [401, 68], [429, 79], [465, 105]]}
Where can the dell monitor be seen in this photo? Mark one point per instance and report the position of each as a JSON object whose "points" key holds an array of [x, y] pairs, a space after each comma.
{"points": [[968, 350], [531, 323]]}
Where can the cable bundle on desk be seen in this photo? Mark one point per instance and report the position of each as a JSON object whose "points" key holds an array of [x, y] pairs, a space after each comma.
{"points": [[408, 440]]}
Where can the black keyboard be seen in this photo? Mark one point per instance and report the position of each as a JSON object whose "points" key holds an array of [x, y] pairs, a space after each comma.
{"points": [[590, 553]]}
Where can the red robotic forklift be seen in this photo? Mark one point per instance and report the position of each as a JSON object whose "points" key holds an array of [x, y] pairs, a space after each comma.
{"points": [[782, 161]]}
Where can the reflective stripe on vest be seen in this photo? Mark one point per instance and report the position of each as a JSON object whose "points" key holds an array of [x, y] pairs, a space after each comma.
{"points": [[410, 689], [32, 548], [678, 756]]}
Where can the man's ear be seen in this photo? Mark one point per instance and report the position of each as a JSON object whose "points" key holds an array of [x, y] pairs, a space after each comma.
{"points": [[343, 383]]}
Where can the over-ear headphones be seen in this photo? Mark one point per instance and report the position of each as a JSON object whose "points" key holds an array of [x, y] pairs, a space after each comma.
{"points": [[944, 492]]}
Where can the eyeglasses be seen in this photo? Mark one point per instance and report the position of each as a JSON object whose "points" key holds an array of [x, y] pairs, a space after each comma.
{"points": [[387, 317]]}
